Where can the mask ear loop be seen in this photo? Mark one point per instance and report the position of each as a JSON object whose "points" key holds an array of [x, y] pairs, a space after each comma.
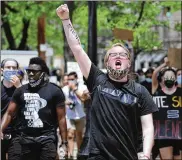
{"points": [[46, 77]]}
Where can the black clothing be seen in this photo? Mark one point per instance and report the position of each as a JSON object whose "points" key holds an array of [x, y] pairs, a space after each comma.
{"points": [[84, 148], [38, 148], [37, 108], [147, 85], [167, 122], [38, 120], [6, 95], [115, 115], [12, 145]]}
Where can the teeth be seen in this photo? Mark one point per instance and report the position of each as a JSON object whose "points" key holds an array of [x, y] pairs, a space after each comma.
{"points": [[31, 80]]}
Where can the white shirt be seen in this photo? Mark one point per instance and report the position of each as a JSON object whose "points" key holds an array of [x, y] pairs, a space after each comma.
{"points": [[77, 112]]}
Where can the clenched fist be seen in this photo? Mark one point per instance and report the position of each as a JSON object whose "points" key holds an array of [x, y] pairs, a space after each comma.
{"points": [[63, 12]]}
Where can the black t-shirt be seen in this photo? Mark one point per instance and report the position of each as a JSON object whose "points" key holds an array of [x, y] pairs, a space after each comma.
{"points": [[115, 115], [6, 95], [147, 85], [168, 121], [37, 108]]}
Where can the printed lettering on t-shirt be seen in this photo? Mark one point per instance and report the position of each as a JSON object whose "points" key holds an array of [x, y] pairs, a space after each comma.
{"points": [[33, 104], [168, 122]]}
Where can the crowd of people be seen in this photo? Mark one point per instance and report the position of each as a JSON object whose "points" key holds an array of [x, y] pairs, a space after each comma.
{"points": [[111, 116]]}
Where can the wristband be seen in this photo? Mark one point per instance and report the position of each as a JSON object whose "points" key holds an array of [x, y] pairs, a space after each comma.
{"points": [[65, 19]]}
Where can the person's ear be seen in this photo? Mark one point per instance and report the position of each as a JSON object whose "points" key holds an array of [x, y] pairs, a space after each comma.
{"points": [[2, 71]]}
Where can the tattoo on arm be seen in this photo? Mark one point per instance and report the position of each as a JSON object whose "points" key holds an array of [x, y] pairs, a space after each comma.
{"points": [[73, 32]]}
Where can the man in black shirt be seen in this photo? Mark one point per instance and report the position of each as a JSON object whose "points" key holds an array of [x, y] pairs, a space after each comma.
{"points": [[118, 104], [9, 143], [41, 109]]}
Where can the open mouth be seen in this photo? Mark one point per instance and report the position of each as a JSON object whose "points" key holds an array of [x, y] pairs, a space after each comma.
{"points": [[118, 64], [31, 80]]}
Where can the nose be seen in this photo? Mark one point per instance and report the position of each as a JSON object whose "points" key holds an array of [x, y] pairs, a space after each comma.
{"points": [[31, 73], [11, 68], [119, 55]]}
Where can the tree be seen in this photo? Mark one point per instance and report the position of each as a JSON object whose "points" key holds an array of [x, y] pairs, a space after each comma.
{"points": [[20, 23]]}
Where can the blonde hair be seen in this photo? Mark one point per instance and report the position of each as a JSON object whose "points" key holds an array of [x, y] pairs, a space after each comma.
{"points": [[115, 45]]}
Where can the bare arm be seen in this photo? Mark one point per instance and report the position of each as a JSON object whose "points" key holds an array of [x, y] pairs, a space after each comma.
{"points": [[62, 122], [155, 73], [148, 134], [74, 41], [11, 111]]}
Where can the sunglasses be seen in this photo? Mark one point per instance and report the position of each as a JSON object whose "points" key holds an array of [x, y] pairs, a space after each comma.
{"points": [[32, 71]]}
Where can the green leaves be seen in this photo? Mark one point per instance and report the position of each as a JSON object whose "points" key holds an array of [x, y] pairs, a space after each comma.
{"points": [[110, 15]]}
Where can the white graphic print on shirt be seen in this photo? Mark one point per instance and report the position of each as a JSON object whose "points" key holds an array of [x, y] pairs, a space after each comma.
{"points": [[33, 104]]}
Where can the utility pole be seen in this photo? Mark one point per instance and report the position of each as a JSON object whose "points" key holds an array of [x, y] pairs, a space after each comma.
{"points": [[92, 31], [41, 37]]}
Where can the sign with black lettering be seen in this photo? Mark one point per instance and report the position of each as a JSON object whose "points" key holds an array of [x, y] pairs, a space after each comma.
{"points": [[168, 121]]}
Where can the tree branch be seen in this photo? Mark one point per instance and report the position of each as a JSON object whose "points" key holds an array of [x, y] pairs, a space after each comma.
{"points": [[7, 28], [22, 45], [140, 15], [10, 8]]}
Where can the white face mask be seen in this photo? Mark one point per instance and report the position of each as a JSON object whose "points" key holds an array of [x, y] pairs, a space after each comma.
{"points": [[35, 83]]}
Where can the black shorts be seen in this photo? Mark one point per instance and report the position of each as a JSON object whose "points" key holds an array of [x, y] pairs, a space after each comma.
{"points": [[176, 144], [96, 157], [43, 147]]}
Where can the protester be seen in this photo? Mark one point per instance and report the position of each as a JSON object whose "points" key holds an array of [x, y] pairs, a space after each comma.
{"points": [[74, 111], [141, 76], [118, 104], [147, 83], [156, 83], [10, 142], [169, 117], [41, 108], [64, 81]]}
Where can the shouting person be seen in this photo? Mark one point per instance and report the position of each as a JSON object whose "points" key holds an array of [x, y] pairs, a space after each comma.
{"points": [[118, 104]]}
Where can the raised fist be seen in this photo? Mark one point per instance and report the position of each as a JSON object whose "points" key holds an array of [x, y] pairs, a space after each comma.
{"points": [[63, 12]]}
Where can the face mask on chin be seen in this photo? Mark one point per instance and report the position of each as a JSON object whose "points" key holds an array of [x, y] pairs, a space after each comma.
{"points": [[169, 83], [35, 83], [117, 74]]}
